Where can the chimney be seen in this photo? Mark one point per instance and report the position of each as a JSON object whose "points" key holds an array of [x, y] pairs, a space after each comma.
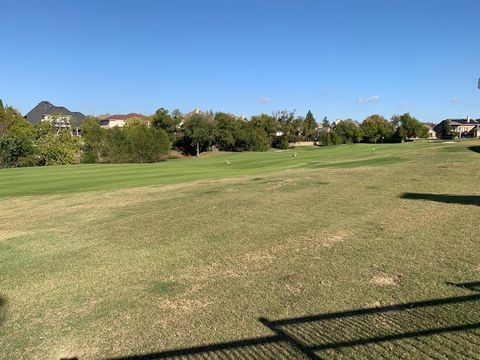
{"points": [[468, 118]]}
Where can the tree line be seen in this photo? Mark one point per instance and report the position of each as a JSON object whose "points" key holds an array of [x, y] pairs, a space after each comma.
{"points": [[373, 129], [152, 139]]}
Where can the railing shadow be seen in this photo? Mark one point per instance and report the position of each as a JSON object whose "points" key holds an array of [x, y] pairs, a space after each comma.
{"points": [[473, 285], [474, 148], [445, 198], [3, 309], [445, 328]]}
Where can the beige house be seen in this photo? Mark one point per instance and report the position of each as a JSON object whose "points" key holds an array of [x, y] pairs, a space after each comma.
{"points": [[476, 132], [119, 120], [461, 127]]}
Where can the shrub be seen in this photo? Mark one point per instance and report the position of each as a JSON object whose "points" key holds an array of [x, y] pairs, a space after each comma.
{"points": [[280, 142]]}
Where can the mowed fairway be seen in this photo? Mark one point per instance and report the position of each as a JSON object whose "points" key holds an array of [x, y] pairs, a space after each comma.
{"points": [[347, 252]]}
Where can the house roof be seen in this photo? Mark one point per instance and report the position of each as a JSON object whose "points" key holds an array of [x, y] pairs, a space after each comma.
{"points": [[35, 115], [463, 122], [125, 117], [195, 111]]}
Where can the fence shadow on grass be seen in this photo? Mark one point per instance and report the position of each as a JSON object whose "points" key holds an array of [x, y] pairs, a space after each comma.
{"points": [[444, 328], [473, 285], [3, 309], [445, 198], [474, 148]]}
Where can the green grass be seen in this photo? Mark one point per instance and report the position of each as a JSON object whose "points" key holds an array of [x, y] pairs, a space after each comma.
{"points": [[81, 178], [100, 261]]}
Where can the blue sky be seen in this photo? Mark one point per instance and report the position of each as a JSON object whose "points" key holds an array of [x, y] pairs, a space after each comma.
{"points": [[341, 59]]}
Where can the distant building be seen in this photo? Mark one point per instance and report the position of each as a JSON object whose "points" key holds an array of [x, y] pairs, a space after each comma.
{"points": [[120, 120], [46, 111], [195, 111], [212, 114], [431, 133], [338, 121], [461, 127]]}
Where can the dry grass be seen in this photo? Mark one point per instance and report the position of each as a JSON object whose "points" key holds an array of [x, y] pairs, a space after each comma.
{"points": [[138, 270]]}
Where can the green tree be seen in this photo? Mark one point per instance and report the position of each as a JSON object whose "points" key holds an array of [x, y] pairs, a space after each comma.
{"points": [[9, 117], [10, 151], [252, 138], [310, 126], [266, 122], [329, 138], [178, 118], [325, 123], [147, 144], [162, 119], [284, 117], [136, 143], [349, 131], [446, 129], [376, 127], [55, 145], [407, 127], [198, 131], [118, 147], [289, 124], [281, 142], [226, 128], [296, 130], [16, 135], [93, 137]]}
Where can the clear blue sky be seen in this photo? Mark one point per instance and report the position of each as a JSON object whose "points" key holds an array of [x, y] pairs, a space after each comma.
{"points": [[342, 58]]}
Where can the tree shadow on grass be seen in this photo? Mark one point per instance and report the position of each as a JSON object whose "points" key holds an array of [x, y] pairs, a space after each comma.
{"points": [[445, 198], [444, 328], [474, 148]]}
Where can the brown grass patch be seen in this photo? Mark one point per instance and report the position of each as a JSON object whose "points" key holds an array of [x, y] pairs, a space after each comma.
{"points": [[183, 305], [384, 280], [6, 233], [314, 239], [339, 236]]}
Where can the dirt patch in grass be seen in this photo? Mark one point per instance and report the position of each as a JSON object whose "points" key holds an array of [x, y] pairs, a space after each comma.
{"points": [[339, 236], [384, 280], [294, 282]]}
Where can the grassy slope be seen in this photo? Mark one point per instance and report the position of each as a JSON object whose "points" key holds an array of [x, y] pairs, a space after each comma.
{"points": [[139, 270]]}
